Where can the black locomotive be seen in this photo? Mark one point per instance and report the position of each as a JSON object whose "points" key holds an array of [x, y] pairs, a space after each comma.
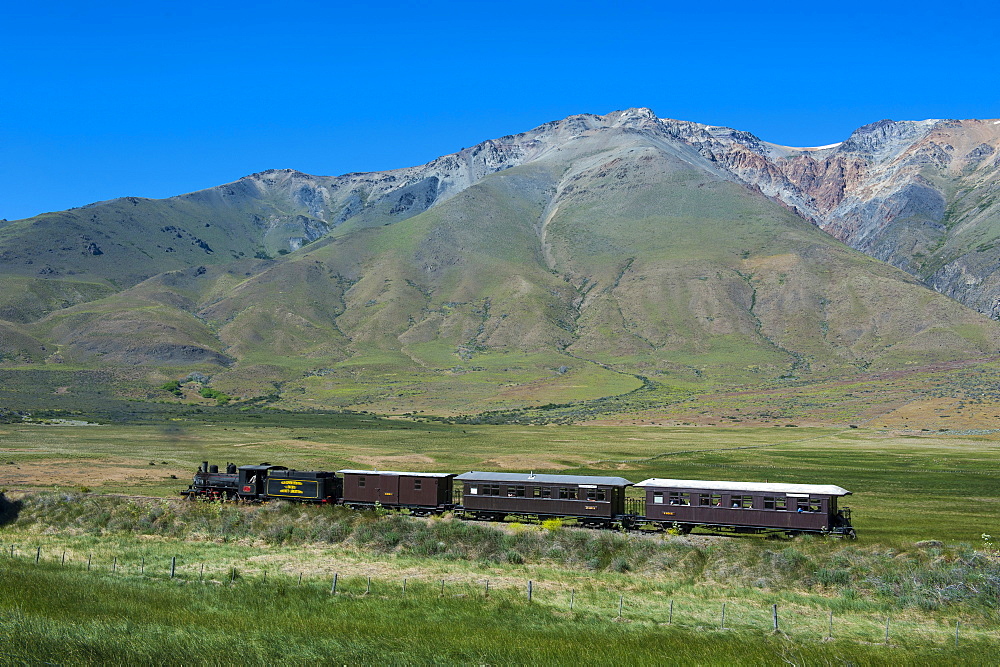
{"points": [[593, 501]]}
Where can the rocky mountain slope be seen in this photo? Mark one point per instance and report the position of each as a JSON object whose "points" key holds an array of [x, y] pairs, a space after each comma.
{"points": [[921, 195], [587, 257]]}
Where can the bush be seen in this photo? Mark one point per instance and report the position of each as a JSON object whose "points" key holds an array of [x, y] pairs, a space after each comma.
{"points": [[208, 392], [552, 525], [174, 387]]}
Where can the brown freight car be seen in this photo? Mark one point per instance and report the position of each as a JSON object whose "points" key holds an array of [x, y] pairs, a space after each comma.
{"points": [[421, 492], [746, 507], [593, 501]]}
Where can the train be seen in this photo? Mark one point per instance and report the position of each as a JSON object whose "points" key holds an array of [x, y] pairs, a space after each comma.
{"points": [[678, 505]]}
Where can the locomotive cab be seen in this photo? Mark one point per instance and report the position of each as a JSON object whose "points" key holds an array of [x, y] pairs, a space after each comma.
{"points": [[251, 482]]}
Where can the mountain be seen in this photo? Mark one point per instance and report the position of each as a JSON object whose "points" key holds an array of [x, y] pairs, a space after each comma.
{"points": [[921, 195], [585, 258]]}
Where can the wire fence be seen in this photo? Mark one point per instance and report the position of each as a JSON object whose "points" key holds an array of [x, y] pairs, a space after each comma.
{"points": [[695, 614]]}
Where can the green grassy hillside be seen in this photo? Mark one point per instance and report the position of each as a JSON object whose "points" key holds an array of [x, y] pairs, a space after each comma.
{"points": [[612, 262]]}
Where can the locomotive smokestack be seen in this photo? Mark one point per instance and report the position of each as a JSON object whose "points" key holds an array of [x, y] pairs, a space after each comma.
{"points": [[204, 466]]}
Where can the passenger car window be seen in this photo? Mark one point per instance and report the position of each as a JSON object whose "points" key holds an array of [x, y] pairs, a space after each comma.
{"points": [[741, 502], [775, 503], [711, 500]]}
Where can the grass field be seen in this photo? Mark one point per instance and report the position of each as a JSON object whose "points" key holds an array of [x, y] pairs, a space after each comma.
{"points": [[93, 618], [909, 485], [99, 579]]}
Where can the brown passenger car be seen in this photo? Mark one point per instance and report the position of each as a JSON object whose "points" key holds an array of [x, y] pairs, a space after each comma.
{"points": [[421, 492], [596, 501], [747, 506]]}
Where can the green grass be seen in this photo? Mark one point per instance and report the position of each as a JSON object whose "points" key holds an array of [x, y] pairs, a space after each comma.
{"points": [[907, 487], [130, 610]]}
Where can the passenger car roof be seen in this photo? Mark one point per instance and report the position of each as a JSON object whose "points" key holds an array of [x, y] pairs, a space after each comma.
{"points": [[396, 473], [474, 476], [764, 487]]}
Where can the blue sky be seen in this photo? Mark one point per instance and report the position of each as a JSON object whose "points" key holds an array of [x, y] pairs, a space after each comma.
{"points": [[111, 98]]}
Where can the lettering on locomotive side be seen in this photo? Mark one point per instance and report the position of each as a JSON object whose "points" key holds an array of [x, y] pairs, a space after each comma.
{"points": [[293, 488]]}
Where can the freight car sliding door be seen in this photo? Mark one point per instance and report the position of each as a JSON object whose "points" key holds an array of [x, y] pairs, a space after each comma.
{"points": [[388, 489]]}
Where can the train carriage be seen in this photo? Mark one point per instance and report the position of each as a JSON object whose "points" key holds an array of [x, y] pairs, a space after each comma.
{"points": [[746, 506], [593, 501], [420, 492]]}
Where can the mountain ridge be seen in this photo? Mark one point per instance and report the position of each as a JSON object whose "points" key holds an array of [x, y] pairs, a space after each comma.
{"points": [[584, 258]]}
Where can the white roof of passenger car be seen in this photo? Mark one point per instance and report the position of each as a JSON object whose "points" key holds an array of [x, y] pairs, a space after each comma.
{"points": [[395, 473], [761, 487]]}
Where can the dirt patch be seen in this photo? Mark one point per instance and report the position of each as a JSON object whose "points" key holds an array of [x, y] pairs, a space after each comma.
{"points": [[394, 461], [530, 462], [74, 473], [935, 414]]}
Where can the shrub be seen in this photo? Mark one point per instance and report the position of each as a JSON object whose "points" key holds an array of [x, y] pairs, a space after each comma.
{"points": [[174, 387], [552, 525]]}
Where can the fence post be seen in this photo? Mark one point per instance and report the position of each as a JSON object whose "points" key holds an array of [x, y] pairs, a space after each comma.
{"points": [[173, 565], [38, 555], [232, 579], [442, 588], [829, 634], [670, 619], [201, 575], [63, 559], [89, 557], [529, 589], [404, 585], [487, 588], [774, 615], [722, 625], [265, 577], [572, 598], [958, 624], [369, 589], [300, 579], [621, 603], [114, 565], [886, 629], [333, 586], [142, 568]]}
